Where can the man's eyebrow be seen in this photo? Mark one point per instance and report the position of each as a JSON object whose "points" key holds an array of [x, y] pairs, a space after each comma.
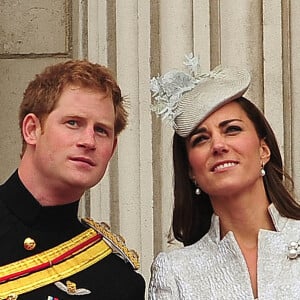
{"points": [[71, 115]]}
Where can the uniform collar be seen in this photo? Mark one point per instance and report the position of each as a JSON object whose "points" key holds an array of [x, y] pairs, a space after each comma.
{"points": [[26, 208]]}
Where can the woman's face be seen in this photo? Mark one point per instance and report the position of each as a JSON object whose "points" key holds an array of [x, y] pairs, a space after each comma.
{"points": [[225, 153]]}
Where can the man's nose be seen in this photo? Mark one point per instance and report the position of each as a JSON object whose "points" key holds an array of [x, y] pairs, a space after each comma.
{"points": [[87, 139]]}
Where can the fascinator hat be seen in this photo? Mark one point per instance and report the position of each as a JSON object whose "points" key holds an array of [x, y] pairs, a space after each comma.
{"points": [[187, 99]]}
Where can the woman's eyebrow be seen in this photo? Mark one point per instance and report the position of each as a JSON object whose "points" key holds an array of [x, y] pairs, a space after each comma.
{"points": [[225, 122], [197, 131], [204, 129]]}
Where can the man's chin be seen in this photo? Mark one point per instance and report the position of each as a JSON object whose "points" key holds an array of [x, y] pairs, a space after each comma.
{"points": [[83, 181], [84, 184]]}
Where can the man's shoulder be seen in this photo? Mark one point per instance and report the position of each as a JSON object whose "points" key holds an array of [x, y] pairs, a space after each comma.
{"points": [[88, 262], [115, 241], [117, 271]]}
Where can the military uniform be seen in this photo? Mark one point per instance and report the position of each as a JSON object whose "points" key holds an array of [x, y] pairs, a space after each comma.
{"points": [[27, 229]]}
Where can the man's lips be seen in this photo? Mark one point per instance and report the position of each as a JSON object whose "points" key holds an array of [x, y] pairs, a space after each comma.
{"points": [[223, 165], [84, 160]]}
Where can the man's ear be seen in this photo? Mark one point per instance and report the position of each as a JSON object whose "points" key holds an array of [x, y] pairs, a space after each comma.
{"points": [[265, 152], [31, 128], [114, 146]]}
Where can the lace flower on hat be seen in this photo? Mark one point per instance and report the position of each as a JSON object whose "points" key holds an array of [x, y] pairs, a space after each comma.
{"points": [[168, 89]]}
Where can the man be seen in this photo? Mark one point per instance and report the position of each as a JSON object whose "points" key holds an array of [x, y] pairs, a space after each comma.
{"points": [[70, 117]]}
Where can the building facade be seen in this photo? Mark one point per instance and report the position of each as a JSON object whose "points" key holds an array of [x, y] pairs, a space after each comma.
{"points": [[139, 39]]}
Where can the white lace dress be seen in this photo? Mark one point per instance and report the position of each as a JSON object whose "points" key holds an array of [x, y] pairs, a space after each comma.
{"points": [[215, 269]]}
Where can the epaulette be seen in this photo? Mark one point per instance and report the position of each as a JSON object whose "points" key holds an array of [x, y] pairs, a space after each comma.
{"points": [[115, 241]]}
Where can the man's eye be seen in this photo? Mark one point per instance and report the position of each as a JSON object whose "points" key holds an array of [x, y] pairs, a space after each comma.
{"points": [[101, 130], [72, 122]]}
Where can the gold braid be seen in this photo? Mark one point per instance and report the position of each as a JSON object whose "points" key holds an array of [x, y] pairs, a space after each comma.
{"points": [[116, 241]]}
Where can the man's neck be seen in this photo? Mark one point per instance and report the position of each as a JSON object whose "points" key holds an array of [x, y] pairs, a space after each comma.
{"points": [[46, 193]]}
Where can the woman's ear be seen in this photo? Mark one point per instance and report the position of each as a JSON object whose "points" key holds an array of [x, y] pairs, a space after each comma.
{"points": [[31, 128], [265, 152], [191, 174]]}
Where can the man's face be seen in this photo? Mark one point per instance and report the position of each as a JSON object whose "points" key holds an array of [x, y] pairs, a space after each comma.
{"points": [[76, 141]]}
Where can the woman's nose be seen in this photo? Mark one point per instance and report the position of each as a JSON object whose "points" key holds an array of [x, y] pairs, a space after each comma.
{"points": [[219, 145]]}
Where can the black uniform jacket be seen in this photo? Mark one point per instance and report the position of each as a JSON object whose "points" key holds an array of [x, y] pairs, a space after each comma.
{"points": [[21, 216]]}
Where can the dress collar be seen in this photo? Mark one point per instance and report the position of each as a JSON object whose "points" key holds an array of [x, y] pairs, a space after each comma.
{"points": [[278, 221]]}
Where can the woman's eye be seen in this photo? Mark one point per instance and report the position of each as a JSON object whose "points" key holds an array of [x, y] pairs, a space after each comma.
{"points": [[198, 139], [233, 129]]}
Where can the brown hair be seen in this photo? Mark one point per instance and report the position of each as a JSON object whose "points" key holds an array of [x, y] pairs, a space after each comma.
{"points": [[192, 213], [43, 93]]}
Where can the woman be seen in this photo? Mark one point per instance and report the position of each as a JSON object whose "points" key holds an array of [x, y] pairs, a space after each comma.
{"points": [[232, 209]]}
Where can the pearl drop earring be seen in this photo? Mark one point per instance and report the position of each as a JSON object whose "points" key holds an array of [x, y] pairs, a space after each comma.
{"points": [[197, 190], [262, 170]]}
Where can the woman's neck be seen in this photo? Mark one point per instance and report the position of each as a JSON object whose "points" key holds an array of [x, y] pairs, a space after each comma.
{"points": [[243, 215]]}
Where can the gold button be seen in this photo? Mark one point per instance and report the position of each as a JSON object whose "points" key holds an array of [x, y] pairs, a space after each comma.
{"points": [[29, 244], [12, 297]]}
